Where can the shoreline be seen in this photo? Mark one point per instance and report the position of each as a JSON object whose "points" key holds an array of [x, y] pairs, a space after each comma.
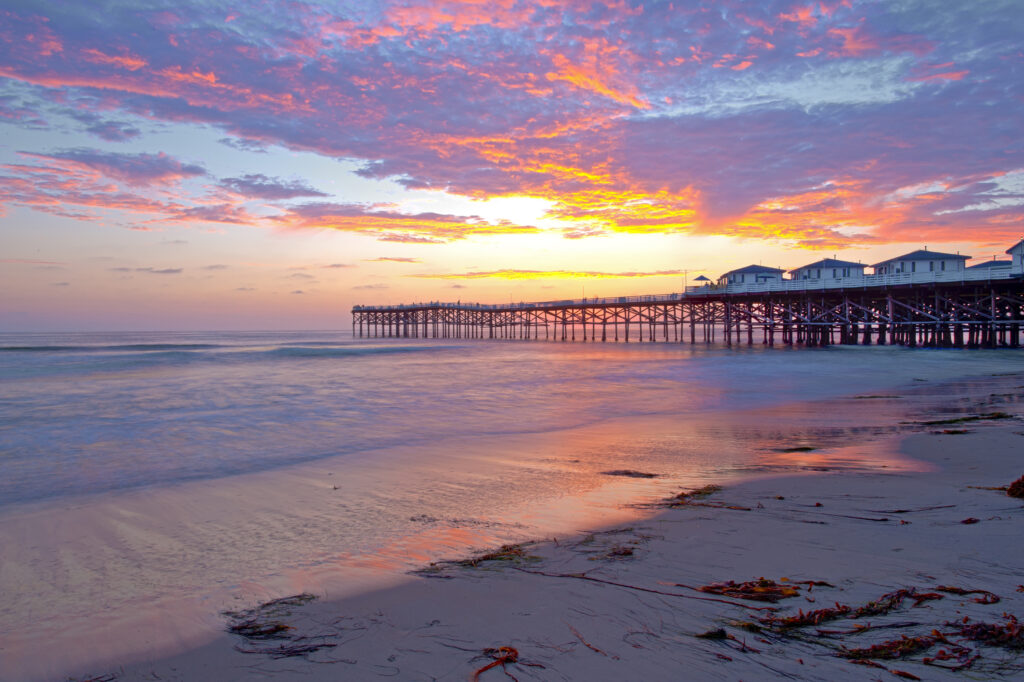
{"points": [[583, 629]]}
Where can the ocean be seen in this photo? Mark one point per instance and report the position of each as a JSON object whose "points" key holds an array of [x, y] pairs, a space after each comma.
{"points": [[148, 481]]}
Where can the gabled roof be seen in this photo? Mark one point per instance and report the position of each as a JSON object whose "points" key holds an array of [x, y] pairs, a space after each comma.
{"points": [[830, 263], [754, 269], [991, 264], [1016, 246], [923, 254]]}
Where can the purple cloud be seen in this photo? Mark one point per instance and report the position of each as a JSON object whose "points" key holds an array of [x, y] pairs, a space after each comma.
{"points": [[244, 145], [260, 186], [150, 270], [132, 169]]}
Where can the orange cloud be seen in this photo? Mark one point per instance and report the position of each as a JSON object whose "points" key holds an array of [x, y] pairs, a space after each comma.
{"points": [[855, 41], [804, 16], [391, 225], [945, 76], [130, 62], [599, 70]]}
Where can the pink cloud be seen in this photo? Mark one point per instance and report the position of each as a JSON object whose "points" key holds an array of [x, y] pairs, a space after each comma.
{"points": [[132, 169]]}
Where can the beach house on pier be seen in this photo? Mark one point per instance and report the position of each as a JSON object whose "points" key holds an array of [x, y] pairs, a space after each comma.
{"points": [[829, 268], [752, 274], [1017, 251], [921, 261], [992, 265]]}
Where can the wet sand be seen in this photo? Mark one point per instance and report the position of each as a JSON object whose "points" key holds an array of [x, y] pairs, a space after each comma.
{"points": [[614, 603]]}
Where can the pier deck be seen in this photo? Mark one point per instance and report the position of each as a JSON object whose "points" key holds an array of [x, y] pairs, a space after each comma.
{"points": [[928, 309]]}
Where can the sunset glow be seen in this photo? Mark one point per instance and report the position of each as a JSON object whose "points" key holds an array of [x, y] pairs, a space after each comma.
{"points": [[236, 165]]}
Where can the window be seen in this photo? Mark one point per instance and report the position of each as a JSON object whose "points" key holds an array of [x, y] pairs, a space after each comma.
{"points": [[833, 273], [913, 266], [943, 265], [931, 266]]}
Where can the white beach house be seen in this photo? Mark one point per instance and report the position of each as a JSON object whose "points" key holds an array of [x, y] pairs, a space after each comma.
{"points": [[1017, 251], [752, 274], [829, 268], [921, 261], [992, 265]]}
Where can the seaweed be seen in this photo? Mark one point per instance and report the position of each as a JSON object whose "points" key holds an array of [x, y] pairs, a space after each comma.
{"points": [[503, 655], [717, 633], [988, 416], [1009, 635], [802, 619], [508, 553], [879, 607], [300, 646], [589, 645], [686, 497], [1016, 489], [961, 655], [864, 661], [761, 589], [985, 598], [263, 622], [894, 648], [252, 629], [892, 600], [630, 473], [689, 498]]}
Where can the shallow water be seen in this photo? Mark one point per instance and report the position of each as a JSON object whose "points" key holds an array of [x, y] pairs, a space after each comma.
{"points": [[91, 413], [148, 481]]}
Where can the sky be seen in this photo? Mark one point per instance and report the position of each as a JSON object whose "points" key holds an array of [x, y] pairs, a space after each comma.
{"points": [[199, 164]]}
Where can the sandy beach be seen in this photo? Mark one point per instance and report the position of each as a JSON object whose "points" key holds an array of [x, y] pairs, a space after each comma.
{"points": [[885, 556]]}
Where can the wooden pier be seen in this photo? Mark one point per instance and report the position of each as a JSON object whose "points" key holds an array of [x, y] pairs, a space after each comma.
{"points": [[964, 313]]}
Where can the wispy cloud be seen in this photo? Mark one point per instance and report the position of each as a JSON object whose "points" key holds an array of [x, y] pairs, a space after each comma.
{"points": [[150, 270], [548, 274], [132, 169], [262, 187], [389, 225], [30, 261], [244, 145], [392, 259]]}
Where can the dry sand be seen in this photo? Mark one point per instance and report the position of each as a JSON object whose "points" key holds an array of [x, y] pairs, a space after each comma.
{"points": [[865, 533]]}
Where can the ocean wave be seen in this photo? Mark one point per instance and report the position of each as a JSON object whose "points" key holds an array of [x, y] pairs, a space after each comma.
{"points": [[117, 348], [313, 351]]}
